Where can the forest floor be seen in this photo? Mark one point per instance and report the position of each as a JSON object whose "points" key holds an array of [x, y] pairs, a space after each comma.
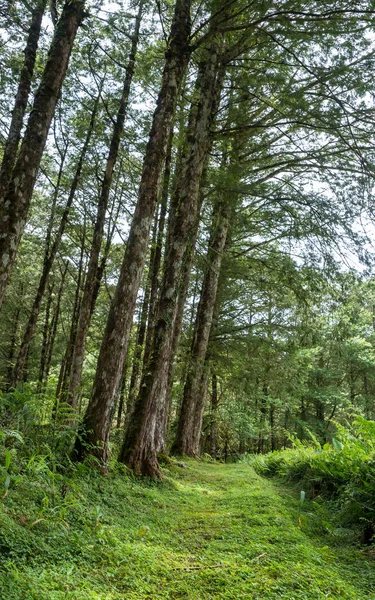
{"points": [[207, 531]]}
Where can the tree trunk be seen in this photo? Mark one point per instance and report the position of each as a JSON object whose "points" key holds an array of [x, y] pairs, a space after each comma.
{"points": [[22, 96], [213, 420], [18, 373], [141, 332], [96, 424], [92, 271], [54, 323], [51, 252], [272, 427], [164, 405], [263, 414], [13, 344], [44, 352], [62, 384], [138, 450], [184, 442], [15, 206], [157, 256], [199, 411], [121, 403]]}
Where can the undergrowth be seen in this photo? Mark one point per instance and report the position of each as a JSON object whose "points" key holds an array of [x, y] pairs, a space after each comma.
{"points": [[342, 472], [206, 531]]}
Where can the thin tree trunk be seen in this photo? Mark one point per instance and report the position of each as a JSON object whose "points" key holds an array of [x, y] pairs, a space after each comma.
{"points": [[156, 259], [22, 96], [138, 450], [92, 271], [15, 206], [199, 410], [142, 325], [121, 403], [54, 324], [164, 404], [18, 373], [96, 424], [184, 442], [51, 252], [272, 427], [44, 352], [62, 384], [213, 420], [13, 344]]}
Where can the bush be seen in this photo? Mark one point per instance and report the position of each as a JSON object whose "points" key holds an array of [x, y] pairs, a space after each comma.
{"points": [[343, 471]]}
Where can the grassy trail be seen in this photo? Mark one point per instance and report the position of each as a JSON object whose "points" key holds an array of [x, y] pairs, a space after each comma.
{"points": [[210, 531]]}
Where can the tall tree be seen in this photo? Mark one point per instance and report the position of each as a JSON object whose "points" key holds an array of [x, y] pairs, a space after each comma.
{"points": [[97, 420], [186, 441], [93, 265], [14, 207], [138, 450], [22, 96]]}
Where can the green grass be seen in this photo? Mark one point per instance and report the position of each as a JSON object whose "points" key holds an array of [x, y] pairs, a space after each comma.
{"points": [[208, 531]]}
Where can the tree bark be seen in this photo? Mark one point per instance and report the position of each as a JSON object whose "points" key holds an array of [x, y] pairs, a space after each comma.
{"points": [[22, 96], [138, 450], [14, 207], [185, 442], [96, 424], [92, 271]]}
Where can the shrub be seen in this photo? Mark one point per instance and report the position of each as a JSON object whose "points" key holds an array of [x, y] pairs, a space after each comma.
{"points": [[343, 471]]}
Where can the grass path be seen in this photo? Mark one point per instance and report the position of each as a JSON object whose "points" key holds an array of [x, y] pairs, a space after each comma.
{"points": [[210, 531]]}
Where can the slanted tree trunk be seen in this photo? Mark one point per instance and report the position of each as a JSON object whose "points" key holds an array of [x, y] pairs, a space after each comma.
{"points": [[92, 270], [51, 251], [18, 373], [14, 207], [138, 450], [96, 423], [62, 384], [185, 442], [22, 96]]}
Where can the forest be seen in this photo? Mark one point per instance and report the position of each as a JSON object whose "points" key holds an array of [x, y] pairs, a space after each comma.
{"points": [[186, 289]]}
